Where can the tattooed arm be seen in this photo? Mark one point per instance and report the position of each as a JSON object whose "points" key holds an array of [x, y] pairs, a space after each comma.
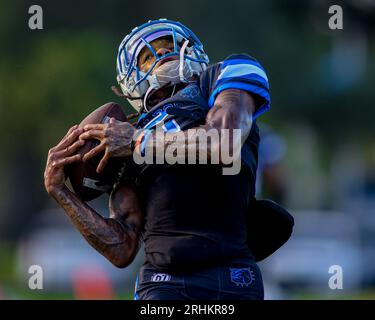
{"points": [[233, 109], [117, 237]]}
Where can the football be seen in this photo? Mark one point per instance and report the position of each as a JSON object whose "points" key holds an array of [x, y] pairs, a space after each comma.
{"points": [[85, 181]]}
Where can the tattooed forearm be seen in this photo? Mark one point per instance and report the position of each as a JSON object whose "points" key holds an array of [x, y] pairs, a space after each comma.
{"points": [[233, 109], [114, 239]]}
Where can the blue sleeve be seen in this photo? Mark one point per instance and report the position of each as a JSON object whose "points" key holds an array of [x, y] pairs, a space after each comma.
{"points": [[245, 73]]}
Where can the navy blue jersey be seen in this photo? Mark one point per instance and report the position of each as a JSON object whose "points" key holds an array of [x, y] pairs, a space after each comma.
{"points": [[195, 215], [236, 72]]}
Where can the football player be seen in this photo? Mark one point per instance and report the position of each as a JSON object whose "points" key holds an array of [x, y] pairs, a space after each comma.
{"points": [[191, 218]]}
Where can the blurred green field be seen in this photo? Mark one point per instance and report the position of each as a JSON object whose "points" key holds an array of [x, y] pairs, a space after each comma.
{"points": [[12, 288], [40, 295]]}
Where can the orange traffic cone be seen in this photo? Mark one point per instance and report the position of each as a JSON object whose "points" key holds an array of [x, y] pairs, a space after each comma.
{"points": [[91, 282]]}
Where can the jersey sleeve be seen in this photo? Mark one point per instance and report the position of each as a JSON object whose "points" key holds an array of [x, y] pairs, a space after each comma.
{"points": [[242, 72]]}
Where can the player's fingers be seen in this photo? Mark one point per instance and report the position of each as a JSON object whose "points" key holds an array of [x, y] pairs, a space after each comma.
{"points": [[102, 163], [96, 126], [65, 161], [68, 133], [70, 149], [69, 139], [70, 130], [93, 152], [92, 134]]}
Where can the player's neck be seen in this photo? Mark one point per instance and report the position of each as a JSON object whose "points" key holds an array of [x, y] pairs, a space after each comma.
{"points": [[164, 93]]}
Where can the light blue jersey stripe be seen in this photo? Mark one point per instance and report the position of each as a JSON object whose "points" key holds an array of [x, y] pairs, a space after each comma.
{"points": [[248, 78], [238, 70], [247, 87], [234, 61]]}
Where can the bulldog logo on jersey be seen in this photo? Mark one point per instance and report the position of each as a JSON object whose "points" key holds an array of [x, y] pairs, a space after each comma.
{"points": [[242, 276], [190, 92]]}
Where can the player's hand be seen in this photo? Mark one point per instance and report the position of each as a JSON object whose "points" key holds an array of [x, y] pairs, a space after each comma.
{"points": [[115, 140], [59, 156]]}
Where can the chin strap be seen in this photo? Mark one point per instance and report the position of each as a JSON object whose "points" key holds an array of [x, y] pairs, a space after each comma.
{"points": [[182, 60], [146, 96]]}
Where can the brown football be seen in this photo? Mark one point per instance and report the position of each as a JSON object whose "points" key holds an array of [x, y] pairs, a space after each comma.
{"points": [[85, 181]]}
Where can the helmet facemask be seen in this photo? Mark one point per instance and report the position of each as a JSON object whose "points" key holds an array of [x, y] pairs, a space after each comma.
{"points": [[136, 84]]}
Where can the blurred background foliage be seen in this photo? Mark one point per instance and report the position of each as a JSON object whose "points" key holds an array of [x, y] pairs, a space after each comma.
{"points": [[322, 86]]}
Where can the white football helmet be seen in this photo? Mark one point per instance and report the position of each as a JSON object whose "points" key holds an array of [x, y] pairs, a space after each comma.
{"points": [[136, 84]]}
